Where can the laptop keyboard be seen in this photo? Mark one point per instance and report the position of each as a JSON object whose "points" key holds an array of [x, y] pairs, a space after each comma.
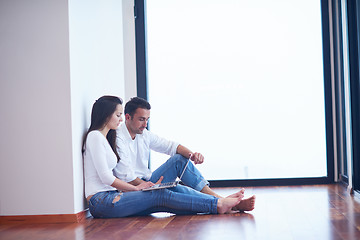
{"points": [[164, 184]]}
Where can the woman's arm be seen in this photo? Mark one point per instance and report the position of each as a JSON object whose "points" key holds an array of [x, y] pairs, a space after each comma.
{"points": [[126, 187], [139, 181], [136, 181]]}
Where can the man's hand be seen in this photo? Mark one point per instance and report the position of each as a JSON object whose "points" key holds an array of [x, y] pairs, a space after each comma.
{"points": [[197, 158], [160, 180]]}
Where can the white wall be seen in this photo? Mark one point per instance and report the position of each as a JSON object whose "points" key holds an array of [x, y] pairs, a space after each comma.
{"points": [[56, 58], [35, 151], [129, 49], [97, 68]]}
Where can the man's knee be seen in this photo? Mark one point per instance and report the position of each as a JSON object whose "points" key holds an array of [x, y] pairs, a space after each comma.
{"points": [[178, 158]]}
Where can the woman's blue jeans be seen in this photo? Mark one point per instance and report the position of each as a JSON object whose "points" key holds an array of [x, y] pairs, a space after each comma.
{"points": [[138, 203], [179, 200]]}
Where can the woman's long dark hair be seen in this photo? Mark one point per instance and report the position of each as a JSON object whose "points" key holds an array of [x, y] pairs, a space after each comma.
{"points": [[102, 110]]}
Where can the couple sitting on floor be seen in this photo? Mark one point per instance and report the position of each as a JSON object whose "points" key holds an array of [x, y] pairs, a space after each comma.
{"points": [[116, 168]]}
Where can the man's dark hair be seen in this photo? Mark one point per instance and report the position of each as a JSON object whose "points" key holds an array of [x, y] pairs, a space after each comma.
{"points": [[135, 103]]}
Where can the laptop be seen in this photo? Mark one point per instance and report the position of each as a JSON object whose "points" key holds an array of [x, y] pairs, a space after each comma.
{"points": [[168, 184]]}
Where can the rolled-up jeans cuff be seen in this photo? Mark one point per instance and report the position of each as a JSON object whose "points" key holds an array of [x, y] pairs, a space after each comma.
{"points": [[201, 185], [214, 207]]}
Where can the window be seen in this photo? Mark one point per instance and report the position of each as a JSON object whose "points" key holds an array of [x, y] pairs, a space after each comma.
{"points": [[241, 82]]}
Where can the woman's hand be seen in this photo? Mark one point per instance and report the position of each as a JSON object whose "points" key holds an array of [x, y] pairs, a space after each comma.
{"points": [[143, 185], [148, 184]]}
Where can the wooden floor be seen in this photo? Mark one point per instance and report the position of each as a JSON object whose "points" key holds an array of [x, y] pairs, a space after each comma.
{"points": [[297, 212]]}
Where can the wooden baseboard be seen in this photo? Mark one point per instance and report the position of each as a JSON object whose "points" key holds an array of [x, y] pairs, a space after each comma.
{"points": [[356, 194], [52, 218]]}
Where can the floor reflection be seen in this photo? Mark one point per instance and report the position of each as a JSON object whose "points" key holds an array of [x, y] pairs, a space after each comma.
{"points": [[298, 212]]}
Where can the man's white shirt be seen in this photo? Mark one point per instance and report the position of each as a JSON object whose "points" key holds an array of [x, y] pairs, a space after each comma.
{"points": [[134, 154]]}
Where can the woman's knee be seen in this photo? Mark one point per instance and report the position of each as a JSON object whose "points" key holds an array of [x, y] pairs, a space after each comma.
{"points": [[167, 192]]}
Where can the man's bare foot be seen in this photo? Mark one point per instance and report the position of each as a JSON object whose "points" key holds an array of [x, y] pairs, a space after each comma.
{"points": [[247, 204]]}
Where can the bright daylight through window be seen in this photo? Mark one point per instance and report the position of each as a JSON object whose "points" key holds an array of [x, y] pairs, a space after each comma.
{"points": [[241, 82]]}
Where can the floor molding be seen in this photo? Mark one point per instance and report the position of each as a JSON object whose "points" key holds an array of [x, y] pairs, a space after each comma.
{"points": [[50, 218]]}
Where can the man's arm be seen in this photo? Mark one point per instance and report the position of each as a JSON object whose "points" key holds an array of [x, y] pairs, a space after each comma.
{"points": [[183, 151], [196, 157], [162, 145]]}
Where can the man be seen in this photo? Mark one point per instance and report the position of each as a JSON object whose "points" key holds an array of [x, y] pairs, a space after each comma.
{"points": [[134, 143]]}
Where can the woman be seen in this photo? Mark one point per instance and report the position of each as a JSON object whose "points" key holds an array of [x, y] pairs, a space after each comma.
{"points": [[110, 197]]}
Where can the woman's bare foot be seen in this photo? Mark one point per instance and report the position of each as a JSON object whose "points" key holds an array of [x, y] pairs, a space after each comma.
{"points": [[247, 204], [225, 205], [239, 194]]}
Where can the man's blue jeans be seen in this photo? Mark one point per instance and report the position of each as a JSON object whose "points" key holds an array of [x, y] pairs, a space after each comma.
{"points": [[173, 168]]}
